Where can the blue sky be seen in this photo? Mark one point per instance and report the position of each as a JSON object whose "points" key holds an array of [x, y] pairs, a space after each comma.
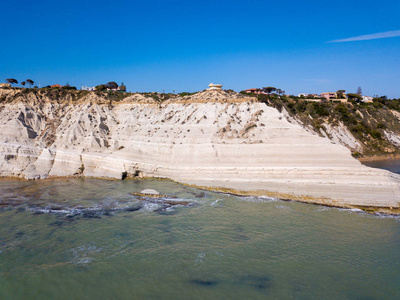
{"points": [[185, 45]]}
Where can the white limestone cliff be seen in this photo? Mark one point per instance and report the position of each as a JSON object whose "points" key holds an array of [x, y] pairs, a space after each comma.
{"points": [[211, 139]]}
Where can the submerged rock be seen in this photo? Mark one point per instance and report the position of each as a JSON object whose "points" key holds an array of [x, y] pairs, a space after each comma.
{"points": [[150, 192], [133, 208], [204, 282], [200, 195], [91, 214], [259, 282], [166, 202], [57, 223], [141, 194], [165, 210]]}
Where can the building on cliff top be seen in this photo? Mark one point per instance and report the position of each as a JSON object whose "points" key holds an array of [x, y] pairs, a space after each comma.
{"points": [[255, 91], [56, 86], [88, 88], [213, 86], [5, 85], [367, 99], [334, 96]]}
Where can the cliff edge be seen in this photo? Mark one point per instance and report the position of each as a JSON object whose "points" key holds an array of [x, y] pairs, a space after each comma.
{"points": [[213, 139]]}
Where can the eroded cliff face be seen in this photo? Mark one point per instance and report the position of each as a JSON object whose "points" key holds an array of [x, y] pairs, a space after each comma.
{"points": [[210, 139]]}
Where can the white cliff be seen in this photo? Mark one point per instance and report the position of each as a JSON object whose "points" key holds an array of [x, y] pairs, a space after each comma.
{"points": [[211, 139]]}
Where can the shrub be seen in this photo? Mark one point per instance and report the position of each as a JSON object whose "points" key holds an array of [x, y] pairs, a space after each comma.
{"points": [[341, 109], [359, 128], [376, 134], [380, 126], [377, 104], [320, 109], [301, 106], [262, 98], [292, 107]]}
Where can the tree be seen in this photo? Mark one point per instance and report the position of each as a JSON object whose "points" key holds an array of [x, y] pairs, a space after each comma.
{"points": [[122, 87], [23, 83], [112, 85], [269, 89], [101, 87], [340, 94], [354, 96], [30, 82], [359, 92], [11, 81]]}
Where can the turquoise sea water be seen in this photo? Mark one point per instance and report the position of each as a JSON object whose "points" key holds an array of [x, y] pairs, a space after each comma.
{"points": [[92, 239]]}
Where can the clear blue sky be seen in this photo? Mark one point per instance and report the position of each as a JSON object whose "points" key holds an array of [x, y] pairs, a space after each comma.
{"points": [[185, 45]]}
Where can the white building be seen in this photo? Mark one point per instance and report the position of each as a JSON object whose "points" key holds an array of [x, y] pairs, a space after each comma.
{"points": [[366, 99], [213, 86], [88, 88]]}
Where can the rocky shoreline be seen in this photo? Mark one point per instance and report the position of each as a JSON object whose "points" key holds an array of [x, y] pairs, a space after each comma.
{"points": [[376, 210]]}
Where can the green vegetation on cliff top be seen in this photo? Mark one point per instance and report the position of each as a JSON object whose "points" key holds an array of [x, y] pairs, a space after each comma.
{"points": [[372, 124]]}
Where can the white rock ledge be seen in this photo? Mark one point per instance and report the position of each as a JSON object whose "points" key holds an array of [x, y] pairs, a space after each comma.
{"points": [[242, 146]]}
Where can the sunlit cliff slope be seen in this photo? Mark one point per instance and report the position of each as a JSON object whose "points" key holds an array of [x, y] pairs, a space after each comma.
{"points": [[212, 139]]}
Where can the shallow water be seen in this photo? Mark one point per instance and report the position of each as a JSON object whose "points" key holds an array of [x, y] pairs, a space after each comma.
{"points": [[91, 239], [393, 165]]}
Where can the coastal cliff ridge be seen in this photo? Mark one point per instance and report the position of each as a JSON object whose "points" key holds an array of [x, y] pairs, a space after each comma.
{"points": [[213, 139]]}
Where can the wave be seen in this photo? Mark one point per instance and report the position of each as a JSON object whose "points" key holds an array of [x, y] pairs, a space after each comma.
{"points": [[258, 199]]}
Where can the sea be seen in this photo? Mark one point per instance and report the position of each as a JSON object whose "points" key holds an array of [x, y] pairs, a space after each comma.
{"points": [[96, 239]]}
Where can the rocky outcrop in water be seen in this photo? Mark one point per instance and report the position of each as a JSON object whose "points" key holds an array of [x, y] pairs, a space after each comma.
{"points": [[210, 139]]}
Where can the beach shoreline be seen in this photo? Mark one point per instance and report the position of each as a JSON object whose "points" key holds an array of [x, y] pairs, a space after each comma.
{"points": [[322, 201]]}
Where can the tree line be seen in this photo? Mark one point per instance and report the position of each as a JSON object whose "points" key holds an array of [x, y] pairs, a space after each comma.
{"points": [[112, 85], [13, 81]]}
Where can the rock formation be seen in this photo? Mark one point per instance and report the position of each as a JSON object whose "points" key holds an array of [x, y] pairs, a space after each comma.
{"points": [[212, 139]]}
